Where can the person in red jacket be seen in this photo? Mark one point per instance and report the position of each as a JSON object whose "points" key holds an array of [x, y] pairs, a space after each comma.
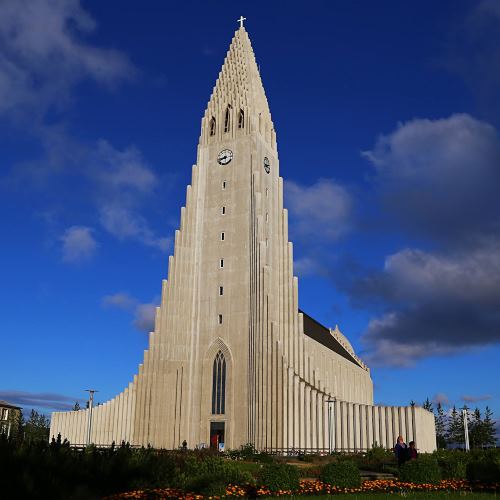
{"points": [[412, 451]]}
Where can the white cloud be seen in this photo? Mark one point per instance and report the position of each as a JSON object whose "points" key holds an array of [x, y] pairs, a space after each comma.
{"points": [[78, 244], [439, 178], [120, 173], [124, 223], [143, 313], [115, 184], [323, 210], [475, 399], [441, 398], [119, 300], [144, 319], [43, 54]]}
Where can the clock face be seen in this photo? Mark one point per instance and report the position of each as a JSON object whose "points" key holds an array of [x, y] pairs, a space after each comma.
{"points": [[267, 165], [225, 156]]}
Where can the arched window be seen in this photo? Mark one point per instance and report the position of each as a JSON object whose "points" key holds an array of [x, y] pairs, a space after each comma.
{"points": [[219, 385], [241, 119], [212, 126], [227, 119]]}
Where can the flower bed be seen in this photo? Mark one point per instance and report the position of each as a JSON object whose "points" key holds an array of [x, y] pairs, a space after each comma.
{"points": [[317, 488]]}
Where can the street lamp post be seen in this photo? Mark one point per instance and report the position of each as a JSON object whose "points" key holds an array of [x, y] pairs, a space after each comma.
{"points": [[466, 429], [331, 416], [91, 404]]}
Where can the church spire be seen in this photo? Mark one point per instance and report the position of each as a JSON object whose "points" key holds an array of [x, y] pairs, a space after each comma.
{"points": [[238, 100]]}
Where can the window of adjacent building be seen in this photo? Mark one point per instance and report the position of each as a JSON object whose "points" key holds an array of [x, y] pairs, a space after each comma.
{"points": [[222, 263], [222, 236], [221, 290], [5, 413], [241, 119], [212, 126], [223, 210], [220, 319], [219, 385]]}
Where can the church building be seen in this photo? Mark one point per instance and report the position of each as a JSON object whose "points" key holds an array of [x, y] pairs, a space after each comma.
{"points": [[232, 359]]}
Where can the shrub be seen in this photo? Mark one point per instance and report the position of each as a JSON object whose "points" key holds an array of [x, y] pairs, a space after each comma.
{"points": [[452, 463], [486, 471], [344, 474], [264, 458], [424, 470], [279, 476], [379, 454], [211, 475]]}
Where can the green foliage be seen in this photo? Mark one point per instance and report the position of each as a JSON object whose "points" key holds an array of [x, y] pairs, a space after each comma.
{"points": [[489, 428], [379, 454], [455, 430], [427, 405], [279, 476], [247, 451], [210, 475], [344, 474], [424, 470], [452, 463], [441, 423], [376, 459], [484, 466], [37, 427]]}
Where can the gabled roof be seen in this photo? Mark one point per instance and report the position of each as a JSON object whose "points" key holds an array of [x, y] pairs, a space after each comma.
{"points": [[316, 331], [6, 404]]}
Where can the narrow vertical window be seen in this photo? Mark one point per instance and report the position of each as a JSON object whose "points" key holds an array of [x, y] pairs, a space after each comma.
{"points": [[221, 290], [222, 263], [227, 119], [222, 236], [241, 119], [267, 192], [223, 184], [267, 217], [223, 210], [219, 385], [212, 126], [220, 319]]}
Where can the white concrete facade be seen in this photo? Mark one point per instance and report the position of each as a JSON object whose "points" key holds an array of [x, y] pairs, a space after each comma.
{"points": [[231, 293]]}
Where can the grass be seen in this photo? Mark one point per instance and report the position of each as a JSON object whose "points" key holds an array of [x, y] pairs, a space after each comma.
{"points": [[438, 495]]}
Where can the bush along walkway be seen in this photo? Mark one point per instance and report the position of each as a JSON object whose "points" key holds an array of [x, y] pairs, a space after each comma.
{"points": [[308, 488]]}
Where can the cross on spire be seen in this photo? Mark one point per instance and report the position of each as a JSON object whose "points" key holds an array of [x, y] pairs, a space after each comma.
{"points": [[240, 20]]}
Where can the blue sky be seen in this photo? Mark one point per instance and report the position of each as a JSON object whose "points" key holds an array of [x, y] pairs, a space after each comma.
{"points": [[394, 129]]}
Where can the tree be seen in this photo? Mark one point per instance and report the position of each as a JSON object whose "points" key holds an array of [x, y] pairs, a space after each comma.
{"points": [[489, 428], [37, 427], [441, 422], [428, 406], [455, 431], [77, 406], [476, 430]]}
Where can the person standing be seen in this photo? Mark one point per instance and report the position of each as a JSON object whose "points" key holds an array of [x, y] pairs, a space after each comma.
{"points": [[401, 451], [412, 451]]}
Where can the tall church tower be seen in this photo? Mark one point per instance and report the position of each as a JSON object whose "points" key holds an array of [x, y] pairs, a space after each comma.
{"points": [[232, 360]]}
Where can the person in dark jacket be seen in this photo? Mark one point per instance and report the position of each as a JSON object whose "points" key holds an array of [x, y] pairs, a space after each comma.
{"points": [[401, 451], [412, 451]]}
